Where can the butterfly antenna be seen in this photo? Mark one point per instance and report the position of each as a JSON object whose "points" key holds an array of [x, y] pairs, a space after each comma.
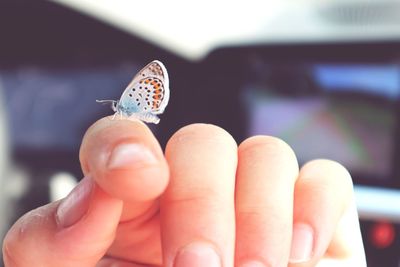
{"points": [[112, 102]]}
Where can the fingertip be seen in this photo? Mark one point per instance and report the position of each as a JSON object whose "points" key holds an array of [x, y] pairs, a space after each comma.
{"points": [[125, 159], [90, 137], [341, 176], [269, 143], [201, 131]]}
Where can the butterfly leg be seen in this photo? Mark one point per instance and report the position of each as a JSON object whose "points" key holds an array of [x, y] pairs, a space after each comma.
{"points": [[114, 105], [148, 117]]}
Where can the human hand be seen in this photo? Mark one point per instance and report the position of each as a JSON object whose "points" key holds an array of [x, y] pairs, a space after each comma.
{"points": [[205, 203]]}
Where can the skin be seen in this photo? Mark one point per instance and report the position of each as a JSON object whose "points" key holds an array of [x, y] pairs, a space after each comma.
{"points": [[242, 201]]}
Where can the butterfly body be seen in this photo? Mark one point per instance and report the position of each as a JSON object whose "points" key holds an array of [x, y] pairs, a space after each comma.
{"points": [[146, 96]]}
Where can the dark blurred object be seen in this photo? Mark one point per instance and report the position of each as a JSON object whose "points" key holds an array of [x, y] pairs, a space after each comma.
{"points": [[381, 242]]}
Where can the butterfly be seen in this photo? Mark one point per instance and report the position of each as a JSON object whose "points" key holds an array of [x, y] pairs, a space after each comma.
{"points": [[146, 96]]}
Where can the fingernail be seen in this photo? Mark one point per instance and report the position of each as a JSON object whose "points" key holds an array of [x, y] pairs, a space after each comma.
{"points": [[75, 205], [128, 155], [302, 243], [252, 264], [197, 255]]}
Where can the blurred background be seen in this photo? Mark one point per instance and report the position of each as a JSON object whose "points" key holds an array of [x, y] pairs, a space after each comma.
{"points": [[322, 75]]}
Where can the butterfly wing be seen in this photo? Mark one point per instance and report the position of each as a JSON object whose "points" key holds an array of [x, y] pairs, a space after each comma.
{"points": [[148, 91]]}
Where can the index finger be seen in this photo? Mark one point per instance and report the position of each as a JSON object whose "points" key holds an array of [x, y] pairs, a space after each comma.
{"points": [[127, 162]]}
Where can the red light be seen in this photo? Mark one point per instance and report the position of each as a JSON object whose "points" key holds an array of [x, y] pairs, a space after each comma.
{"points": [[382, 235]]}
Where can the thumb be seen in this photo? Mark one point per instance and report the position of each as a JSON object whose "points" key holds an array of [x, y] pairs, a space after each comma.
{"points": [[75, 231]]}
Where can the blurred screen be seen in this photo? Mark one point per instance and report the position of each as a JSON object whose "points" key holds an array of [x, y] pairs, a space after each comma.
{"points": [[342, 112], [52, 108]]}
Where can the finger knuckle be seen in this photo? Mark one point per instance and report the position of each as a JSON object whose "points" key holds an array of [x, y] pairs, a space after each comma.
{"points": [[8, 258], [10, 250], [203, 199]]}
